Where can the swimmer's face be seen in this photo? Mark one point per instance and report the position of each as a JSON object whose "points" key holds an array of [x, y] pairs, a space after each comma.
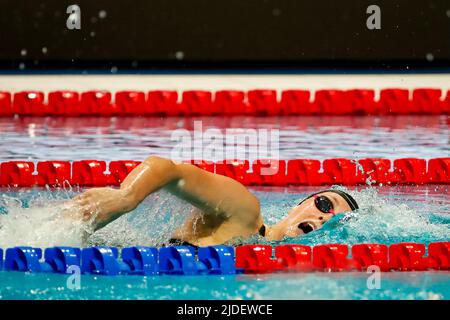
{"points": [[313, 213]]}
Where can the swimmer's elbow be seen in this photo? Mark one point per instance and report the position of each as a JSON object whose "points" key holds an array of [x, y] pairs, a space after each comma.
{"points": [[153, 174], [163, 166]]}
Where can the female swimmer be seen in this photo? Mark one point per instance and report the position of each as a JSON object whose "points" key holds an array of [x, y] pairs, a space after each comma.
{"points": [[224, 208]]}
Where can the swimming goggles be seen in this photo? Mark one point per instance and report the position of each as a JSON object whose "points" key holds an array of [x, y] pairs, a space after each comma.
{"points": [[323, 204]]}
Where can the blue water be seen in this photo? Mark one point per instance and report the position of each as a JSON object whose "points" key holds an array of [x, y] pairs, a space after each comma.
{"points": [[387, 214], [411, 285]]}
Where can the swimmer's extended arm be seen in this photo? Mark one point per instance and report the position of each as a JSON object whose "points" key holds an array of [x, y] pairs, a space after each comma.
{"points": [[215, 194]]}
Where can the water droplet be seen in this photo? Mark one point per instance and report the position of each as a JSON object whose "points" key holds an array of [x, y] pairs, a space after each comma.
{"points": [[102, 14], [430, 57], [44, 50], [23, 52], [92, 34], [179, 55], [21, 66], [114, 70]]}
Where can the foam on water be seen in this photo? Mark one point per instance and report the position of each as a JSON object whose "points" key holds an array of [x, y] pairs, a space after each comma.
{"points": [[39, 218], [44, 219], [37, 223]]}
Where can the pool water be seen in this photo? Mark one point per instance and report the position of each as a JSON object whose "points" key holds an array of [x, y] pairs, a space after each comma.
{"points": [[29, 138], [411, 285], [387, 214]]}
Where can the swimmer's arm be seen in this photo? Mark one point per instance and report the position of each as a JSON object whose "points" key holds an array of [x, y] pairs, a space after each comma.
{"points": [[209, 192], [104, 205]]}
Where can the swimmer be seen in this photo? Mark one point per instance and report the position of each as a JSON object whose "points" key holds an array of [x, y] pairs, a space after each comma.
{"points": [[224, 208]]}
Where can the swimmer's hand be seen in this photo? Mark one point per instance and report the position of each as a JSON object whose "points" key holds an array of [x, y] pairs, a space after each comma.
{"points": [[100, 206]]}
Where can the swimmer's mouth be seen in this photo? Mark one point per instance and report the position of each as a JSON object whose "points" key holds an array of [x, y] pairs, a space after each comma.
{"points": [[306, 227]]}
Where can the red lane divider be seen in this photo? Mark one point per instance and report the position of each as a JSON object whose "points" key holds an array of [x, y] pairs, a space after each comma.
{"points": [[255, 258], [339, 171], [258, 258], [409, 170], [5, 104], [261, 172], [64, 103], [130, 102], [198, 103], [29, 103], [304, 172], [394, 101], [362, 101], [374, 169], [163, 103], [366, 255], [267, 172], [89, 173], [53, 173], [227, 102], [439, 255], [293, 257], [407, 257], [332, 257], [296, 102], [17, 174], [427, 101], [438, 170], [120, 169]]}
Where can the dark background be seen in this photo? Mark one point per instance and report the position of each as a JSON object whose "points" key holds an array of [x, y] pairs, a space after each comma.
{"points": [[280, 35]]}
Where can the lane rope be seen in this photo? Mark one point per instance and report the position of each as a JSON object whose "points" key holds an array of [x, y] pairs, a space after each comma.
{"points": [[259, 102], [348, 172], [256, 258]]}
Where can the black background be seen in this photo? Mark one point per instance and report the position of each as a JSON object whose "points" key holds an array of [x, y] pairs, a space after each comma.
{"points": [[211, 34]]}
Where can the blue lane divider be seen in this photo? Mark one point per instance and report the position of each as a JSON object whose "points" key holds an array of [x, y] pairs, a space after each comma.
{"points": [[60, 258], [181, 260], [217, 259], [141, 260], [211, 260], [100, 260], [178, 260], [25, 259], [57, 259]]}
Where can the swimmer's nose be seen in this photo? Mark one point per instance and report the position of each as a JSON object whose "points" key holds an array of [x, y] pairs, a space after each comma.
{"points": [[306, 227]]}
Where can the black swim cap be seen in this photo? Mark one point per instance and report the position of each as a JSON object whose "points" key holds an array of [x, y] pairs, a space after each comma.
{"points": [[348, 198]]}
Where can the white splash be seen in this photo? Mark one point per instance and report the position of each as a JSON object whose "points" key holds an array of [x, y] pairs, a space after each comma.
{"points": [[50, 220], [39, 225]]}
